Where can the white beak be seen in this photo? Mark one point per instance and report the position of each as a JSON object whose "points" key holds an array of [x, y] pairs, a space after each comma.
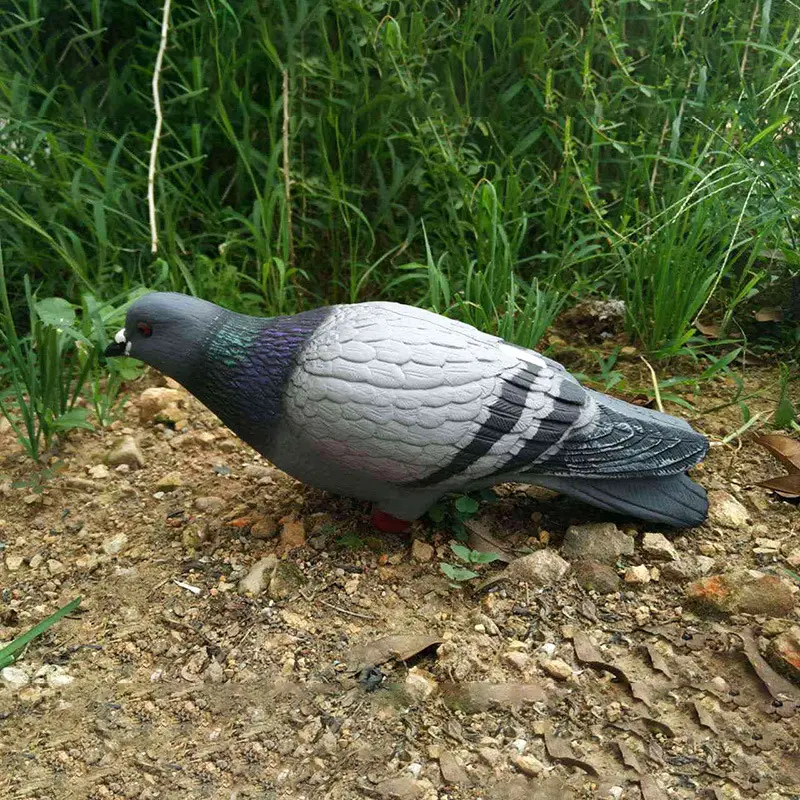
{"points": [[119, 338]]}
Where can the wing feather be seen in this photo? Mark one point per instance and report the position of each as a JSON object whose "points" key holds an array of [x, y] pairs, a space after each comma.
{"points": [[407, 396]]}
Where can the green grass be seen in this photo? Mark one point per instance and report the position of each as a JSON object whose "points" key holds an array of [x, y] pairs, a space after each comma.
{"points": [[13, 651], [490, 160]]}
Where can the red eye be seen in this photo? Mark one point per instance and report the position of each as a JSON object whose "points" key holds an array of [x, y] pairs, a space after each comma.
{"points": [[144, 329]]}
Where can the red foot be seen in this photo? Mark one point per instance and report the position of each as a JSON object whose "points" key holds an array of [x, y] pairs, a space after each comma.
{"points": [[387, 523]]}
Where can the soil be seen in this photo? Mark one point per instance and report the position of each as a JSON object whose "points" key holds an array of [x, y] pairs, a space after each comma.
{"points": [[186, 686]]}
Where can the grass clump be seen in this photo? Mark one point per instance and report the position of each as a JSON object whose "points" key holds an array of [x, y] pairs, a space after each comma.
{"points": [[50, 370]]}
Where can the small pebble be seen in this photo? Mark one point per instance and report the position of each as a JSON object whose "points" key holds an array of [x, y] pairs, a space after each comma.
{"points": [[527, 765], [421, 551], [637, 575], [517, 659], [115, 544], [13, 562], [14, 677], [557, 668]]}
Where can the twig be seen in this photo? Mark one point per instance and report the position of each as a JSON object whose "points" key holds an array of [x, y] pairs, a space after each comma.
{"points": [[345, 611], [656, 390], [287, 181], [740, 430], [187, 586], [151, 172]]}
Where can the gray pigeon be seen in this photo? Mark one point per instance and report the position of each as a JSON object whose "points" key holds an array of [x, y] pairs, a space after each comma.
{"points": [[398, 406]]}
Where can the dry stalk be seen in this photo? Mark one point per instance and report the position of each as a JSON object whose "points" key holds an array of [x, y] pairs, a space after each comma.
{"points": [[151, 172]]}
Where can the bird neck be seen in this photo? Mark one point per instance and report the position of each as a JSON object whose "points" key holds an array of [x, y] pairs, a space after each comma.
{"points": [[246, 365]]}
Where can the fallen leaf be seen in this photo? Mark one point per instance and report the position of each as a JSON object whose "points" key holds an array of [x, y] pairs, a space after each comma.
{"points": [[481, 540], [769, 314], [588, 654], [650, 789], [452, 772], [785, 696], [784, 448], [787, 486], [712, 331], [401, 647], [705, 718], [629, 757], [656, 725], [559, 750], [658, 662], [643, 692]]}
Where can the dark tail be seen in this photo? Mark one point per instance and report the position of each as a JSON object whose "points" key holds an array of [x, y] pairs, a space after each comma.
{"points": [[673, 500]]}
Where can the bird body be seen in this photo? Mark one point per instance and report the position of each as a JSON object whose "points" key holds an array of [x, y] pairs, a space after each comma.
{"points": [[398, 406]]}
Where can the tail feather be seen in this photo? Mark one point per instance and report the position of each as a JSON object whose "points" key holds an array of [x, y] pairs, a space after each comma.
{"points": [[673, 500], [639, 412]]}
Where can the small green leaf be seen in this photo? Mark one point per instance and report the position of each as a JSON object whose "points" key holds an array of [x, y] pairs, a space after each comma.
{"points": [[436, 513], [127, 368], [462, 552], [351, 541], [466, 505], [784, 414], [56, 311], [74, 418], [483, 558], [457, 573]]}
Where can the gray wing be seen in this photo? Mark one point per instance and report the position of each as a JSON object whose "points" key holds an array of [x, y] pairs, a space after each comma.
{"points": [[412, 398]]}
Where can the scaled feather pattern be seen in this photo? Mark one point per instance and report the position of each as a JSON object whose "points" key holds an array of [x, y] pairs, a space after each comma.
{"points": [[398, 405]]}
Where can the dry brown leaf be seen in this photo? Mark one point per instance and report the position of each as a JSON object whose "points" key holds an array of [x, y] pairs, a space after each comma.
{"points": [[711, 331], [787, 486], [643, 692], [629, 757], [705, 717], [781, 690], [588, 654], [784, 448], [402, 647], [481, 540], [452, 772], [650, 789], [559, 750], [658, 662], [769, 314]]}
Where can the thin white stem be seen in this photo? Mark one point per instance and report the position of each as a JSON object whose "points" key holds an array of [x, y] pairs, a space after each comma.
{"points": [[151, 172], [287, 178]]}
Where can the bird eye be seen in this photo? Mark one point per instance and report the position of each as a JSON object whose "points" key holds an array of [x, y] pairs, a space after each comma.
{"points": [[144, 329]]}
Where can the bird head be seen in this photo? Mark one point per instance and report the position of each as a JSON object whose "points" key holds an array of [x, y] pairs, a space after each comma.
{"points": [[165, 330]]}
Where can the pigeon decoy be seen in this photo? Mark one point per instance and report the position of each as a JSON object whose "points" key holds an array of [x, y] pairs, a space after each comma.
{"points": [[395, 405]]}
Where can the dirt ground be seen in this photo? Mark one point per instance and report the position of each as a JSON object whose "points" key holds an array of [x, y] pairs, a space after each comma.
{"points": [[185, 685]]}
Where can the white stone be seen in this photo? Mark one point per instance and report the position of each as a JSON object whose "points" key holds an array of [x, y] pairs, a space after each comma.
{"points": [[724, 509], [56, 676], [14, 677], [115, 544], [13, 562]]}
